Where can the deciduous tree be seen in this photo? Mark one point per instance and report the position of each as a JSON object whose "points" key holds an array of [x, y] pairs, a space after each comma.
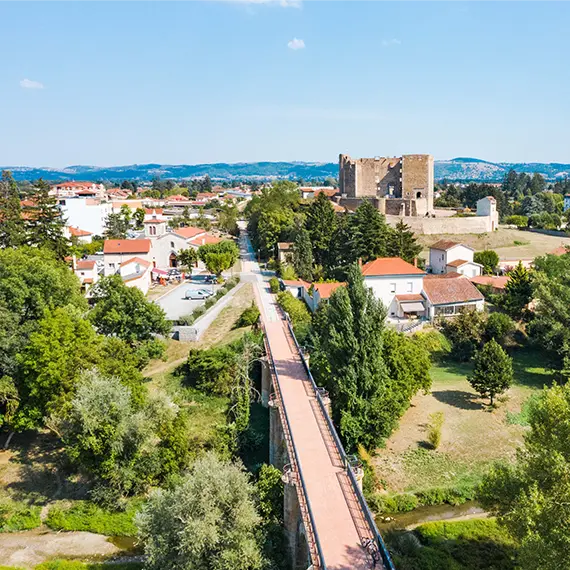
{"points": [[492, 371], [12, 230]]}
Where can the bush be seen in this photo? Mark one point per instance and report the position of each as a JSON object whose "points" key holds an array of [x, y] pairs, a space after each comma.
{"points": [[488, 259], [16, 516], [288, 272], [295, 308], [519, 221], [249, 317], [434, 429], [465, 333], [74, 565], [435, 342], [274, 285], [499, 326], [86, 516]]}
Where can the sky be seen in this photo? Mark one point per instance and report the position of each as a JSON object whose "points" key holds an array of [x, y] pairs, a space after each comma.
{"points": [[113, 83]]}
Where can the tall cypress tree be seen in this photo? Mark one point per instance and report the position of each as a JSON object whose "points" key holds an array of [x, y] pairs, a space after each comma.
{"points": [[45, 222], [370, 232], [402, 243], [321, 223], [303, 255], [12, 230], [350, 346]]}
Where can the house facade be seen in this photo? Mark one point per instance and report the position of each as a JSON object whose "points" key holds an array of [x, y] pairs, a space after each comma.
{"points": [[450, 294], [117, 251], [447, 256]]}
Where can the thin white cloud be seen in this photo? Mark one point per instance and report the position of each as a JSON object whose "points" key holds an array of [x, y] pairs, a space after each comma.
{"points": [[296, 44], [282, 3], [392, 42], [29, 84]]}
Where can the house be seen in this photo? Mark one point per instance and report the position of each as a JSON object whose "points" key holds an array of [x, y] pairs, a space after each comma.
{"points": [[487, 206], [285, 252], [136, 272], [498, 283], [450, 294], [89, 214], [318, 292], [71, 189], [310, 192], [87, 272], [295, 287], [398, 284], [133, 205], [82, 236], [117, 251], [447, 256]]}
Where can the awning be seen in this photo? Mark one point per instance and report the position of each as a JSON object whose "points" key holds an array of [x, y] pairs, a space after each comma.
{"points": [[159, 271], [413, 307]]}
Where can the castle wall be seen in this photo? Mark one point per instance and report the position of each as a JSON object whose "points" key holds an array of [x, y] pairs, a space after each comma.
{"points": [[417, 179], [419, 225]]}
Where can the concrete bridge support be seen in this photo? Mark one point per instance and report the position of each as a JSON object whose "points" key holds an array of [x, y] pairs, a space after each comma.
{"points": [[297, 546], [277, 444], [266, 383]]}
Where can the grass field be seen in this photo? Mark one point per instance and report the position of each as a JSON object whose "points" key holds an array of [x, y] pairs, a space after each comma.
{"points": [[509, 244], [473, 435]]}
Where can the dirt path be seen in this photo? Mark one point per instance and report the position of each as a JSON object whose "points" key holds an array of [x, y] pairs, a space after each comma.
{"points": [[30, 548]]}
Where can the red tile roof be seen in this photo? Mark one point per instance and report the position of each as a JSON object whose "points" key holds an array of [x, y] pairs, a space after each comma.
{"points": [[205, 195], [85, 264], [126, 246], [410, 297], [189, 233], [458, 263], [155, 220], [136, 260], [205, 240], [327, 289], [446, 290], [78, 232], [284, 245], [390, 266], [150, 211], [495, 281], [295, 283], [444, 244]]}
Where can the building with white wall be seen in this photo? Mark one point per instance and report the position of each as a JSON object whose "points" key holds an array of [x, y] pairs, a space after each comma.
{"points": [[88, 273], [447, 256], [487, 206], [450, 294], [88, 214], [136, 272], [118, 251]]}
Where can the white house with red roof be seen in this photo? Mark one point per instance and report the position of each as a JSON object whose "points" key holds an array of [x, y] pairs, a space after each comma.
{"points": [[118, 251], [82, 236], [446, 256], [85, 189], [136, 272], [87, 272], [318, 292]]}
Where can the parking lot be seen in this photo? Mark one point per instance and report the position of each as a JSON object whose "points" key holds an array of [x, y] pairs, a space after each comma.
{"points": [[175, 304]]}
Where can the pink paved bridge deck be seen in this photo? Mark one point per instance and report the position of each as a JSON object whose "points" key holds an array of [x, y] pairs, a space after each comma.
{"points": [[338, 518]]}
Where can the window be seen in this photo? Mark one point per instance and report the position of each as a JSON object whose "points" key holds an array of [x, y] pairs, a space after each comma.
{"points": [[392, 287], [172, 244], [111, 266], [409, 287]]}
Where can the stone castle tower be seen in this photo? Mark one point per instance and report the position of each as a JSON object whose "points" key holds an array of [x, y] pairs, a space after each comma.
{"points": [[401, 186]]}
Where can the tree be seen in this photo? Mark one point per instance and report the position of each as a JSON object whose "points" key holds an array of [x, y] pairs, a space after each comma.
{"points": [[138, 217], [123, 447], [320, 223], [227, 219], [465, 333], [44, 222], [116, 226], [217, 262], [402, 243], [492, 371], [518, 291], [530, 497], [369, 232], [488, 259], [350, 341], [12, 230], [500, 327], [63, 345], [124, 312], [188, 258], [207, 522], [303, 255]]}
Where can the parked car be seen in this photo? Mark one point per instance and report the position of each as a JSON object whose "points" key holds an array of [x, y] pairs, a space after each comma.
{"points": [[206, 292], [196, 294], [173, 272], [211, 279]]}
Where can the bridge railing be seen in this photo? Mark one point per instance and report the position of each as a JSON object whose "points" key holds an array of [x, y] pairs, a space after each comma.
{"points": [[317, 558], [377, 538]]}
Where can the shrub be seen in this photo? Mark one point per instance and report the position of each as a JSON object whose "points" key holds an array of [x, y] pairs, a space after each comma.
{"points": [[465, 333], [434, 429], [211, 370], [405, 502], [499, 326], [435, 342], [16, 516], [249, 317], [274, 285], [288, 272], [295, 308], [86, 516], [519, 221], [74, 565], [488, 259]]}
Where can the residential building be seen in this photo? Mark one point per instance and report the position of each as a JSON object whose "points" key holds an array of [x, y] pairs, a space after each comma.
{"points": [[82, 236], [310, 192], [87, 272], [285, 252], [89, 214], [447, 256], [136, 272], [117, 251], [72, 189], [498, 283], [318, 292], [450, 294], [393, 281]]}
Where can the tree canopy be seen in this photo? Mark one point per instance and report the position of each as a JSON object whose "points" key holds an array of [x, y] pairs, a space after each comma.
{"points": [[492, 371]]}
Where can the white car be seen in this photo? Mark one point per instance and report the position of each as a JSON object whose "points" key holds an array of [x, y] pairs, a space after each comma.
{"points": [[197, 294]]}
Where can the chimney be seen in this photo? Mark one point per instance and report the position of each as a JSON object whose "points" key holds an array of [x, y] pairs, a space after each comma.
{"points": [[415, 261]]}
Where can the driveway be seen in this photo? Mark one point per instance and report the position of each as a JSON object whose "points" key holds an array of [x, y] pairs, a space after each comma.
{"points": [[174, 303]]}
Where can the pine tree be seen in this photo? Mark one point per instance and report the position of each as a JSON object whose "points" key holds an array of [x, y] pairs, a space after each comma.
{"points": [[321, 223], [12, 230], [492, 371], [350, 342], [370, 232], [518, 291], [402, 243], [45, 222], [303, 255]]}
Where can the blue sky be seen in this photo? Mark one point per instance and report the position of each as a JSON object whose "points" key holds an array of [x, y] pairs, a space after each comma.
{"points": [[111, 83]]}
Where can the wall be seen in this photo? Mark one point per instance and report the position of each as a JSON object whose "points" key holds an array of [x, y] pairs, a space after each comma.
{"points": [[369, 176], [88, 217], [118, 258], [381, 286], [472, 225], [417, 180], [161, 248]]}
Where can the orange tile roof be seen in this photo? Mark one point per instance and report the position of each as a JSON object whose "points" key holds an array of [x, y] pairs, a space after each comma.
{"points": [[189, 232], [560, 250], [442, 290], [126, 246], [410, 297], [390, 266], [85, 264], [78, 232], [153, 210], [458, 263], [136, 260], [496, 281], [295, 283], [205, 195], [88, 280], [155, 221], [130, 203], [327, 289], [205, 240], [284, 245], [444, 244]]}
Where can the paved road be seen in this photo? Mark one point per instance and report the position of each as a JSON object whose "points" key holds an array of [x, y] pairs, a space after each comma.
{"points": [[174, 303], [338, 519]]}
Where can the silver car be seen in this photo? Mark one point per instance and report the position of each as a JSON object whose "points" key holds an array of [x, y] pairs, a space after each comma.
{"points": [[197, 294]]}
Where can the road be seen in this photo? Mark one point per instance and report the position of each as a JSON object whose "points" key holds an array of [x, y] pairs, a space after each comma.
{"points": [[175, 305]]}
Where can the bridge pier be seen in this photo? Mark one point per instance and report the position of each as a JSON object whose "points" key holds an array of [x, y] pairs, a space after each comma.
{"points": [[297, 546], [266, 383], [277, 443]]}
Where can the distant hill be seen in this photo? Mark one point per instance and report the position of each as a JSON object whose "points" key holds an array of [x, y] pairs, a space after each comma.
{"points": [[457, 169]]}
